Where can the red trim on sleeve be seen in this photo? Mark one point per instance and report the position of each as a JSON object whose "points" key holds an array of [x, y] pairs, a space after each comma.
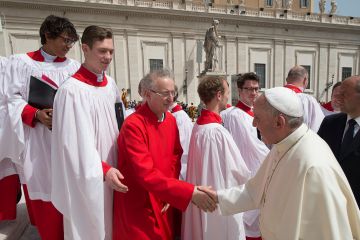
{"points": [[105, 167], [28, 115]]}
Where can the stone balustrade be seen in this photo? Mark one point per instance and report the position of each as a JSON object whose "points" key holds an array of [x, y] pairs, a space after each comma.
{"points": [[231, 10]]}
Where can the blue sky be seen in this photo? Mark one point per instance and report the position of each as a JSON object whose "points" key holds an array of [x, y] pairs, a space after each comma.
{"points": [[344, 7]]}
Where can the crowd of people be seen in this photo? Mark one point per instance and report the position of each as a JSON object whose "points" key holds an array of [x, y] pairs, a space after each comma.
{"points": [[272, 167]]}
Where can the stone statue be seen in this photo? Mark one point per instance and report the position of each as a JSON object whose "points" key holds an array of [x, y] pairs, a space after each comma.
{"points": [[333, 7], [322, 6], [211, 44], [289, 4], [279, 3]]}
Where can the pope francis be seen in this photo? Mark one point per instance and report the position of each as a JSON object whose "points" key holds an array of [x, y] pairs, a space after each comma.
{"points": [[300, 189]]}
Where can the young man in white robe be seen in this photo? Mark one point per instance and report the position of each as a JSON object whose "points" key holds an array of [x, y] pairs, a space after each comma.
{"points": [[10, 187], [238, 121], [214, 160], [300, 188], [29, 128], [297, 80], [185, 126], [83, 142]]}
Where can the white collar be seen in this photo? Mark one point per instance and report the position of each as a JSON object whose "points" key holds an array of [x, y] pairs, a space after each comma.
{"points": [[47, 57]]}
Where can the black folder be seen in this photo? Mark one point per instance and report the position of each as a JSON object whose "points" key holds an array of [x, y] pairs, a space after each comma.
{"points": [[41, 94], [119, 114]]}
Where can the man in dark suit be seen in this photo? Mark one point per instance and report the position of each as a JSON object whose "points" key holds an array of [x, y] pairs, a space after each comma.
{"points": [[341, 132]]}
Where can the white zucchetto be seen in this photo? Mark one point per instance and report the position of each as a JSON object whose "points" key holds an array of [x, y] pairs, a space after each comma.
{"points": [[285, 100]]}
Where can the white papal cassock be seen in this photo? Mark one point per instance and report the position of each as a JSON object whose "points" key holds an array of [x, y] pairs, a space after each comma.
{"points": [[301, 191], [313, 114], [214, 160], [185, 126], [32, 144], [239, 123], [84, 134]]}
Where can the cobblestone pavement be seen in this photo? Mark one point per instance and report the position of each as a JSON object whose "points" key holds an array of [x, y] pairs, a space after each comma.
{"points": [[19, 229]]}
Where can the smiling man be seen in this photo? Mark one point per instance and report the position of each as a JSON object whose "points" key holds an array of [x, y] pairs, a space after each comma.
{"points": [[30, 126], [84, 142], [149, 157]]}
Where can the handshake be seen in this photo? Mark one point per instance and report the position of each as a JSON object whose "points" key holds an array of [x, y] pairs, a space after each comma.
{"points": [[205, 198]]}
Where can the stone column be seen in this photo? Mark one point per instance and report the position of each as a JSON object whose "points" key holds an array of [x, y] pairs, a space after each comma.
{"points": [[278, 66]]}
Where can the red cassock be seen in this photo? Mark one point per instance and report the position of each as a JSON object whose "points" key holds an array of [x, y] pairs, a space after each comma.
{"points": [[149, 159], [9, 190]]}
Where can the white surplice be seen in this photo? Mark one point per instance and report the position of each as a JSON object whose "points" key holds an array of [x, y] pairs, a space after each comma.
{"points": [[214, 160], [31, 144], [301, 191], [7, 167], [185, 126], [84, 134], [253, 151], [313, 115]]}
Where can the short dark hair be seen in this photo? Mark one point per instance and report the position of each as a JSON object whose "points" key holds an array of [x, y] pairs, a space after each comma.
{"points": [[209, 86], [245, 77], [54, 26], [94, 33]]}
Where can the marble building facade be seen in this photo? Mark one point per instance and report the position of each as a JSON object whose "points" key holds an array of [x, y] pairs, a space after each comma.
{"points": [[154, 34]]}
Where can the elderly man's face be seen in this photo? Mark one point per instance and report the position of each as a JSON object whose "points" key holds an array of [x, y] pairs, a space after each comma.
{"points": [[264, 120], [162, 95], [349, 97]]}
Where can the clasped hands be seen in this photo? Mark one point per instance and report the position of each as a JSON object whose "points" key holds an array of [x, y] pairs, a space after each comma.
{"points": [[205, 198]]}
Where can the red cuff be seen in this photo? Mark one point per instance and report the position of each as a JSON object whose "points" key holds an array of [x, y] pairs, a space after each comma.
{"points": [[106, 167], [28, 115]]}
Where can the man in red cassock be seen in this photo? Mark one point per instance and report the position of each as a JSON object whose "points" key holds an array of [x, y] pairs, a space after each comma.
{"points": [[149, 158]]}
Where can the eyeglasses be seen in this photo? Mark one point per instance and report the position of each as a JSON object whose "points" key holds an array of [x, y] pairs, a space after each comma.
{"points": [[164, 94], [68, 41], [250, 89]]}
